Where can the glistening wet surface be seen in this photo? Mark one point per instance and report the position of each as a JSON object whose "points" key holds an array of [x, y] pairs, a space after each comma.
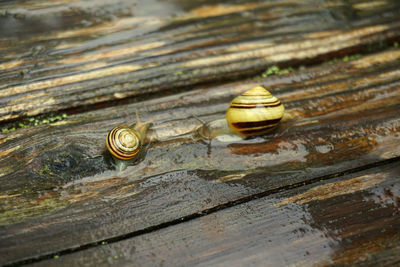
{"points": [[316, 224], [314, 191]]}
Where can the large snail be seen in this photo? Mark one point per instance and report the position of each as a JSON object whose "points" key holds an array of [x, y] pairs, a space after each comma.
{"points": [[125, 143], [254, 112]]}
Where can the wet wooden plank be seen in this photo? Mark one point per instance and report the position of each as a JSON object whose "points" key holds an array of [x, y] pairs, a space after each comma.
{"points": [[349, 220], [133, 50], [59, 191]]}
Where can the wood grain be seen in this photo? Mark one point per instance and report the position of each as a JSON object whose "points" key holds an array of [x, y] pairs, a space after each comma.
{"points": [[171, 61], [78, 62], [318, 224], [59, 190]]}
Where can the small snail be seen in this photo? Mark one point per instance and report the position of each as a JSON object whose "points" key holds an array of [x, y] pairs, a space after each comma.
{"points": [[254, 112], [126, 142]]}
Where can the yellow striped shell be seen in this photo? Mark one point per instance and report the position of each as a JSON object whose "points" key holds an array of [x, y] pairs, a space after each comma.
{"points": [[254, 112], [123, 142]]}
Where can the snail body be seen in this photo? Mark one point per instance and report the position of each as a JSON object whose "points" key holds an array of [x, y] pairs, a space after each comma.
{"points": [[126, 142], [254, 112]]}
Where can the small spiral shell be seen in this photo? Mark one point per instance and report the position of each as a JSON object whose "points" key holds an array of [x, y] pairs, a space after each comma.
{"points": [[254, 112], [123, 142]]}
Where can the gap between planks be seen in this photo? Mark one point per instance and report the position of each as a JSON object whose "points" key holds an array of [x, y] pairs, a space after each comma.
{"points": [[202, 213]]}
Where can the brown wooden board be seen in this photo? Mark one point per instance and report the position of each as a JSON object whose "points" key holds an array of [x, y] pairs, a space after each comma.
{"points": [[171, 61], [354, 219], [100, 53], [59, 192]]}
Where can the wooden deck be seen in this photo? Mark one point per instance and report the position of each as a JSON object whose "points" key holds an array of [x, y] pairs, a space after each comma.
{"points": [[323, 189]]}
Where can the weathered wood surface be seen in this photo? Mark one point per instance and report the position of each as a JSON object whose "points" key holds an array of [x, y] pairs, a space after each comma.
{"points": [[48, 66], [349, 220], [58, 190]]}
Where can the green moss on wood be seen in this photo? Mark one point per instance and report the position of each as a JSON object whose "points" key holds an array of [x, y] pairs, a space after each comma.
{"points": [[20, 210], [275, 70], [33, 121], [344, 59], [45, 170]]}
